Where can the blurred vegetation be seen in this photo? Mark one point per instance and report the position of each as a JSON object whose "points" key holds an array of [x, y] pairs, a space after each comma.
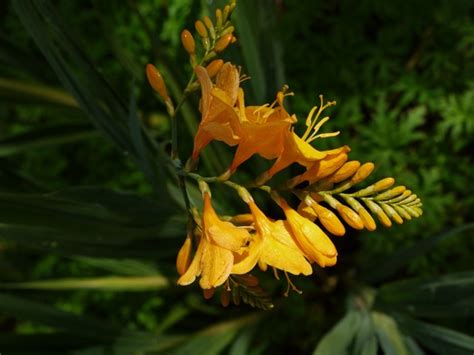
{"points": [[85, 194]]}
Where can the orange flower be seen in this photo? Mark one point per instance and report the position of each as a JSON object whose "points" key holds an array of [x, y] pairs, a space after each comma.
{"points": [[214, 256], [263, 129], [271, 245], [298, 149], [219, 121]]}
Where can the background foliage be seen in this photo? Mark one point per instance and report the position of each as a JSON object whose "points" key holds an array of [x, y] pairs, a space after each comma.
{"points": [[90, 218]]}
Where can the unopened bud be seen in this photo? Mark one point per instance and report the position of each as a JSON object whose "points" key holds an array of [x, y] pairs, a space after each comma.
{"points": [[367, 219], [225, 14], [413, 211], [390, 211], [156, 81], [369, 222], [362, 173], [214, 67], [183, 259], [417, 210], [233, 40], [208, 293], [402, 212], [382, 217], [201, 29], [225, 297], [187, 40], [223, 42], [407, 200], [218, 18], [345, 172], [210, 27], [329, 220], [350, 217], [384, 184], [390, 193], [228, 30], [378, 186], [247, 279]]}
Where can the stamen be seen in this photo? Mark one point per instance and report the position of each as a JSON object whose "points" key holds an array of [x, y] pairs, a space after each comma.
{"points": [[227, 285], [310, 116], [291, 285], [275, 273], [311, 120]]}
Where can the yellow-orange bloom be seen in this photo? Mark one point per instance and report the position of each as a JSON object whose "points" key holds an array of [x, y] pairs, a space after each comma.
{"points": [[315, 244], [214, 256], [271, 245], [263, 130], [219, 121]]}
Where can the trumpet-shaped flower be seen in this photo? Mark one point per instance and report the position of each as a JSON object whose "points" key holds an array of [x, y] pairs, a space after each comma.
{"points": [[272, 245], [263, 130], [299, 150], [219, 120], [214, 256]]}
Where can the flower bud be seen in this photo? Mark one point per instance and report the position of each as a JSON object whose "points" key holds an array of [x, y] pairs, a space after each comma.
{"points": [[183, 259], [225, 297], [382, 217], [225, 13], [369, 222], [390, 193], [208, 293], [392, 213], [362, 173], [210, 27], [156, 81], [384, 184], [201, 29], [218, 18], [329, 220], [346, 171], [350, 217], [402, 212], [214, 67], [233, 40], [223, 42], [187, 40]]}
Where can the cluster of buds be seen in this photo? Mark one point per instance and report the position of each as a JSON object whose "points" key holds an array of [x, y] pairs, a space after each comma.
{"points": [[222, 252], [215, 38]]}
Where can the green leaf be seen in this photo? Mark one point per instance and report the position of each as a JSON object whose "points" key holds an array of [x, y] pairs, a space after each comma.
{"points": [[46, 136], [449, 295], [439, 339], [212, 340], [21, 91], [339, 339], [92, 222], [390, 338], [379, 270], [76, 72], [110, 283], [412, 347], [366, 339], [39, 313], [126, 267]]}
